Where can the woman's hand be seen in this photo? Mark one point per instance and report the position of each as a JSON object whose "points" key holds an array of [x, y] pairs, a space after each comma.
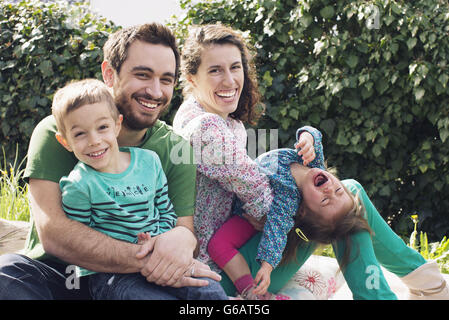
{"points": [[262, 279], [197, 270], [306, 148]]}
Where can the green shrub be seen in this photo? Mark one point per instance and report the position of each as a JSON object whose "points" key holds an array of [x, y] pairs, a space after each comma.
{"points": [[43, 46], [372, 75]]}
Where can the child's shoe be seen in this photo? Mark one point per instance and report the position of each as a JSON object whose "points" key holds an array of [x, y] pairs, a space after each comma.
{"points": [[426, 283], [248, 294]]}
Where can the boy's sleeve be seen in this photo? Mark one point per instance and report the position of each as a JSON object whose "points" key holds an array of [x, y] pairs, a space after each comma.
{"points": [[76, 202], [162, 201]]}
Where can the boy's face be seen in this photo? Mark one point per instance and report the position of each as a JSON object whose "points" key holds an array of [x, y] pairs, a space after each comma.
{"points": [[144, 87], [91, 134], [324, 194]]}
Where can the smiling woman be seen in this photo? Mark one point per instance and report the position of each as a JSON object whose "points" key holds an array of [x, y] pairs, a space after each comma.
{"points": [[219, 80]]}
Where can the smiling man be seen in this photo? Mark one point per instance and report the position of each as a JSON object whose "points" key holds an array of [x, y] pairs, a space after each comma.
{"points": [[141, 67]]}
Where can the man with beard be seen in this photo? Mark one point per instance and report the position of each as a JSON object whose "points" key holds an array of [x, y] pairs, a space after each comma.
{"points": [[140, 66]]}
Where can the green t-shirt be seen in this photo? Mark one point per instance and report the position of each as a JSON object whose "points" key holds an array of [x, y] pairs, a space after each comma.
{"points": [[48, 160]]}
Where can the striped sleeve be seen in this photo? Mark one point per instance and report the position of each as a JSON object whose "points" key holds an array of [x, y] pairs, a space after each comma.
{"points": [[75, 201]]}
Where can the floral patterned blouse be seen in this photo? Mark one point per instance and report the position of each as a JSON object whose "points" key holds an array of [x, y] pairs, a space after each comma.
{"points": [[224, 171]]}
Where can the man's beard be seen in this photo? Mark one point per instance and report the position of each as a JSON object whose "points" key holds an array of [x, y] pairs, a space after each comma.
{"points": [[132, 120]]}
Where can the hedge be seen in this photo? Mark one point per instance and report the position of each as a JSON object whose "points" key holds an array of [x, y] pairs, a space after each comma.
{"points": [[43, 46], [372, 76]]}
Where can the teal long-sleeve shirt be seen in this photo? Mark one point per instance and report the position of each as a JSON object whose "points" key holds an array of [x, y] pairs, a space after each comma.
{"points": [[120, 205]]}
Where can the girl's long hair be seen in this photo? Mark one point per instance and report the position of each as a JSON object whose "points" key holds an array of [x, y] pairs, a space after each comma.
{"points": [[325, 232]]}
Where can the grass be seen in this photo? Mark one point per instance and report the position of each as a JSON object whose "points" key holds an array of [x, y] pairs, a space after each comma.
{"points": [[14, 203]]}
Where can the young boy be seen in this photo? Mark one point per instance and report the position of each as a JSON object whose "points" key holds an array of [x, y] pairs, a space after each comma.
{"points": [[121, 192]]}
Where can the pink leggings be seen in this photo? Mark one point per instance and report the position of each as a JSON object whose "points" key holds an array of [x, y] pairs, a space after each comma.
{"points": [[233, 234]]}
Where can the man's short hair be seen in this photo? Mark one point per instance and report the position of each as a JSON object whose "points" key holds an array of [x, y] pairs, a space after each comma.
{"points": [[115, 50]]}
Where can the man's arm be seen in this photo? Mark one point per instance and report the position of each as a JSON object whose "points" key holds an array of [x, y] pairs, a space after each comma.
{"points": [[172, 254], [75, 242]]}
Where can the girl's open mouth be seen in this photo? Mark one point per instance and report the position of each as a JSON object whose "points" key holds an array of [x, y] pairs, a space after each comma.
{"points": [[319, 180]]}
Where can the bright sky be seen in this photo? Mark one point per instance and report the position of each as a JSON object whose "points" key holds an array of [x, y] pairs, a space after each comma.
{"points": [[131, 12]]}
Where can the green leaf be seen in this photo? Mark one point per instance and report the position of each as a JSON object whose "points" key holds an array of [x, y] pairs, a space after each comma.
{"points": [[327, 12], [381, 86], [444, 134], [443, 78], [377, 151], [355, 139], [267, 78], [294, 114], [352, 61], [419, 94], [9, 65], [46, 68], [354, 103], [423, 168], [328, 126], [306, 20], [341, 139], [411, 43], [336, 87], [385, 191]]}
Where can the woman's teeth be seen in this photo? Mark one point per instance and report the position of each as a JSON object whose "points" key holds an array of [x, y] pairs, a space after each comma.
{"points": [[226, 94]]}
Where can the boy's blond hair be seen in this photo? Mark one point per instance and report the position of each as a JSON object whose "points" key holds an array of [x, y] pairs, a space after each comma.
{"points": [[77, 94]]}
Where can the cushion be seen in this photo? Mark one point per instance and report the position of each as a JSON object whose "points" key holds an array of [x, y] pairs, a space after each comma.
{"points": [[318, 279]]}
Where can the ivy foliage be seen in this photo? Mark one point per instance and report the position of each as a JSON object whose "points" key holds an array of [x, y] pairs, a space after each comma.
{"points": [[42, 47], [372, 76]]}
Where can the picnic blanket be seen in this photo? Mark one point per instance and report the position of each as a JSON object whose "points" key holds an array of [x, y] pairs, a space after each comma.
{"points": [[318, 279], [12, 235]]}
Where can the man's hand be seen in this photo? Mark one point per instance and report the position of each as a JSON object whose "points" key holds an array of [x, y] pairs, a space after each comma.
{"points": [[171, 256]]}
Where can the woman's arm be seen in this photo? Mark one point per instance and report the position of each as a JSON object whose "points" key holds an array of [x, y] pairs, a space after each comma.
{"points": [[220, 158]]}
